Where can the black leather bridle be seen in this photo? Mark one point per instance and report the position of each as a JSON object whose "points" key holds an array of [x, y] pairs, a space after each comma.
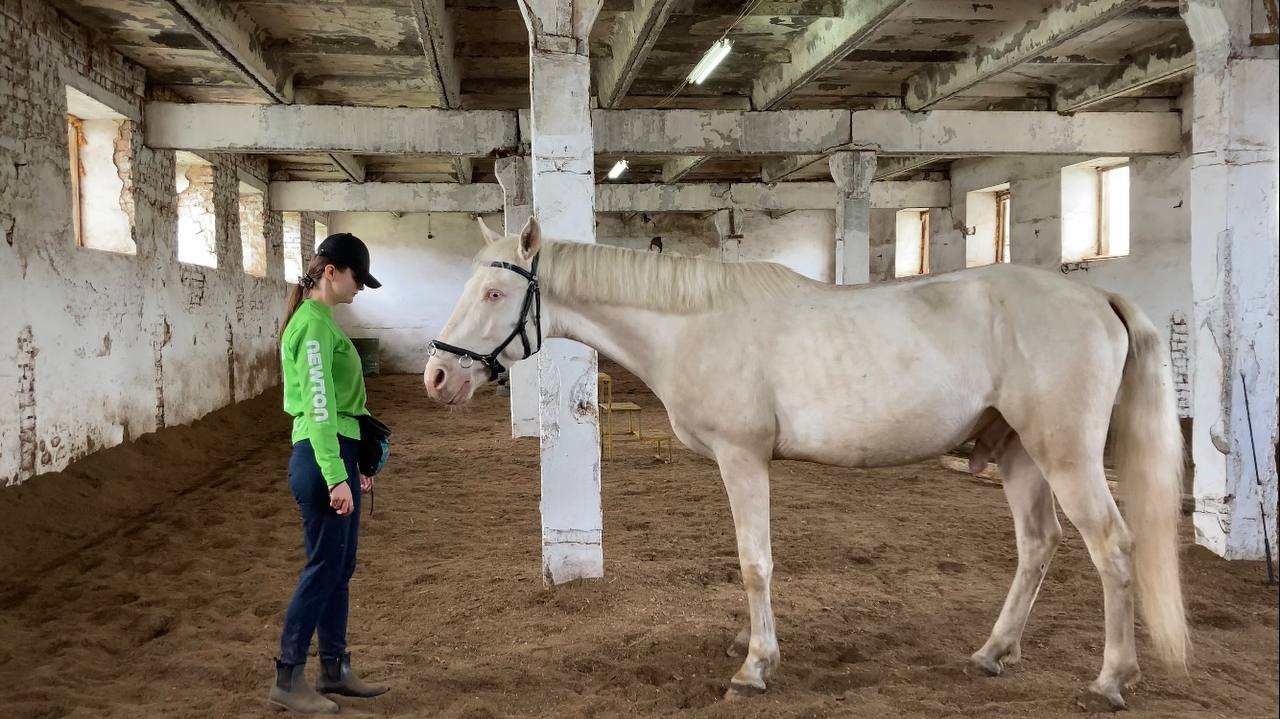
{"points": [[532, 302]]}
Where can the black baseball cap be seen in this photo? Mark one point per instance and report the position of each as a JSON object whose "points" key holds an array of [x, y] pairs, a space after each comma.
{"points": [[347, 249]]}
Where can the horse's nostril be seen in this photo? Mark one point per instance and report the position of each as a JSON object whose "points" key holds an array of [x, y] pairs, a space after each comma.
{"points": [[437, 379]]}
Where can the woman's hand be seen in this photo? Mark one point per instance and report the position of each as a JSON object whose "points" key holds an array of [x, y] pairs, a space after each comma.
{"points": [[366, 483], [340, 499]]}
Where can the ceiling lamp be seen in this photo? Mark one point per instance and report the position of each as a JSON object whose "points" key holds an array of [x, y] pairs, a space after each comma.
{"points": [[718, 51]]}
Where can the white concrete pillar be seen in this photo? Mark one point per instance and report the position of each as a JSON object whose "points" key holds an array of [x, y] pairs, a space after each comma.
{"points": [[1234, 265], [517, 207], [564, 202], [852, 172]]}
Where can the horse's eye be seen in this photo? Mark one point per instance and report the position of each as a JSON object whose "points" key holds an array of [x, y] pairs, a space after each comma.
{"points": [[494, 295]]}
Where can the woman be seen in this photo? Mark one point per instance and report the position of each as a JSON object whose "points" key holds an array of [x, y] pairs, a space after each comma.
{"points": [[324, 391]]}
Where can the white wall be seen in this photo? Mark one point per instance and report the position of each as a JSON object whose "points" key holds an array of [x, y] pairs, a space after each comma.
{"points": [[99, 347], [803, 240], [423, 277], [683, 233], [1157, 272], [883, 239]]}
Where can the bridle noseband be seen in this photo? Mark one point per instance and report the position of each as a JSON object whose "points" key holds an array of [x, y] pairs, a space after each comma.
{"points": [[532, 301]]}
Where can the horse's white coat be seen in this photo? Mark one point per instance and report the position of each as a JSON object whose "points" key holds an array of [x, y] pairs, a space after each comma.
{"points": [[754, 362]]}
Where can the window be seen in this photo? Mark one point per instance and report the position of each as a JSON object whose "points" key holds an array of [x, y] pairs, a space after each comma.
{"points": [[292, 245], [253, 238], [988, 225], [1095, 209], [197, 226], [98, 153], [911, 254], [322, 231]]}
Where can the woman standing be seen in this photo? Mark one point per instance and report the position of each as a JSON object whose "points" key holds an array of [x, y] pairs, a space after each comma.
{"points": [[324, 392]]}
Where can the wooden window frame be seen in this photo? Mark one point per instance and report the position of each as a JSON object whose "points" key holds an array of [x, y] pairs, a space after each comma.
{"points": [[75, 140], [924, 242], [1003, 207], [1102, 244]]}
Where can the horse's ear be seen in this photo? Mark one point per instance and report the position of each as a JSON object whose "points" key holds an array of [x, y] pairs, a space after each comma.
{"points": [[530, 239], [489, 235]]}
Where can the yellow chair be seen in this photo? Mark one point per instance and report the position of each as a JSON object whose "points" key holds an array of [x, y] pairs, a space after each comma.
{"points": [[635, 422]]}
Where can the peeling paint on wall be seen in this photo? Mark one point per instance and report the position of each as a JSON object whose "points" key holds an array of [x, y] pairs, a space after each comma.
{"points": [[146, 330], [26, 403]]}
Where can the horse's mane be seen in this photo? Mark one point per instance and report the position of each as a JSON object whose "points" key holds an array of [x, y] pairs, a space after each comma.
{"points": [[649, 280]]}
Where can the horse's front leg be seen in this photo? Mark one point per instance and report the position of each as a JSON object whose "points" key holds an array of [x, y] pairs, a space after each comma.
{"points": [[746, 479]]}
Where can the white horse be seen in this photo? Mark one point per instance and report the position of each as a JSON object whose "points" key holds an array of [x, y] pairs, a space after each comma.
{"points": [[755, 362]]}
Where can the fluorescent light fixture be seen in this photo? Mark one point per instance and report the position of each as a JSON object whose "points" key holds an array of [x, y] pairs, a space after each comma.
{"points": [[618, 168], [718, 51]]}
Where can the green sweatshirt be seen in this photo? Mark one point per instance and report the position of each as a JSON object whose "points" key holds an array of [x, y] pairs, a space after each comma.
{"points": [[323, 385]]}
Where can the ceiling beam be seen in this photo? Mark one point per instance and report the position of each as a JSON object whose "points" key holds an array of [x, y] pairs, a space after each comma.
{"points": [[818, 47], [894, 166], [329, 128], [699, 197], [676, 168], [630, 41], [813, 52], [385, 197], [777, 169], [942, 132], [1151, 67], [760, 197], [1063, 21], [349, 165], [435, 33], [463, 167], [481, 133], [231, 34]]}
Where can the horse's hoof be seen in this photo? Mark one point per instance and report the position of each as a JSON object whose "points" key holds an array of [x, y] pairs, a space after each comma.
{"points": [[983, 667], [1095, 702], [742, 691]]}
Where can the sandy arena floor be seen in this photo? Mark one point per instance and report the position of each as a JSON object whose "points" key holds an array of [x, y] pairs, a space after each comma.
{"points": [[149, 581]]}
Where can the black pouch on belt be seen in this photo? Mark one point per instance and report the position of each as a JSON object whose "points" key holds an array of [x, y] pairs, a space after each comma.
{"points": [[375, 445]]}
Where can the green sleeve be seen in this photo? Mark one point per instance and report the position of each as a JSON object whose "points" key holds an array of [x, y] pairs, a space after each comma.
{"points": [[314, 364]]}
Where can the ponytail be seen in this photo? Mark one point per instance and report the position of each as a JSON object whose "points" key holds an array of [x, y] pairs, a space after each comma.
{"points": [[306, 282]]}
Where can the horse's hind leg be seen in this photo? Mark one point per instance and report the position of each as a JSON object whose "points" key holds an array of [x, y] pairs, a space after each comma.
{"points": [[1076, 476], [1036, 525]]}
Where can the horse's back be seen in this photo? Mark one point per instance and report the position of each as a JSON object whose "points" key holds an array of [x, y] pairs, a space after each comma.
{"points": [[886, 374]]}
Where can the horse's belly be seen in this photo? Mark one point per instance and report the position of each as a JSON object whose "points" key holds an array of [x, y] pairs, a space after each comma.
{"points": [[871, 434]]}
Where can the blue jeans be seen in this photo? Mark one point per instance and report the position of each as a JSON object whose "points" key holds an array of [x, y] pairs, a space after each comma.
{"points": [[319, 604]]}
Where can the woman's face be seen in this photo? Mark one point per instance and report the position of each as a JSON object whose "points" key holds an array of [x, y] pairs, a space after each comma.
{"points": [[343, 284]]}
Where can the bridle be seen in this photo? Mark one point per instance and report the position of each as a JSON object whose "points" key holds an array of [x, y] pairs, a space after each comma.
{"points": [[532, 301]]}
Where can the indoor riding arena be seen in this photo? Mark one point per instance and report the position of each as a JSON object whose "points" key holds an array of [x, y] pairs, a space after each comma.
{"points": [[741, 358]]}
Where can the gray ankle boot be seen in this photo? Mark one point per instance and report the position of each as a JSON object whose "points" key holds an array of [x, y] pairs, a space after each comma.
{"points": [[336, 677], [293, 693]]}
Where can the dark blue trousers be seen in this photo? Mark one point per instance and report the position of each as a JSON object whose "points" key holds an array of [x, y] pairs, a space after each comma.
{"points": [[319, 604]]}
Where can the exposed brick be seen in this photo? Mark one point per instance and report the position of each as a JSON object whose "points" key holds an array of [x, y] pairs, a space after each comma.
{"points": [[1179, 353]]}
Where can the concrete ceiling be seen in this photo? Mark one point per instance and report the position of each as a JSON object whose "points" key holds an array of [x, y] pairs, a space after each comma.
{"points": [[370, 52]]}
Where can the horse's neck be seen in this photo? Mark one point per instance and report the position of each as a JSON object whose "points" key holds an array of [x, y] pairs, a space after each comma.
{"points": [[629, 336]]}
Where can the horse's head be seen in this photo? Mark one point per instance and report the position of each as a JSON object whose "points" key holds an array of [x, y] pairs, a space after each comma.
{"points": [[496, 322]]}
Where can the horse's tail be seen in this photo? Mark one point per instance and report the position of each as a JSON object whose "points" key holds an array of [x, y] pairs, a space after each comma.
{"points": [[1148, 455]]}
